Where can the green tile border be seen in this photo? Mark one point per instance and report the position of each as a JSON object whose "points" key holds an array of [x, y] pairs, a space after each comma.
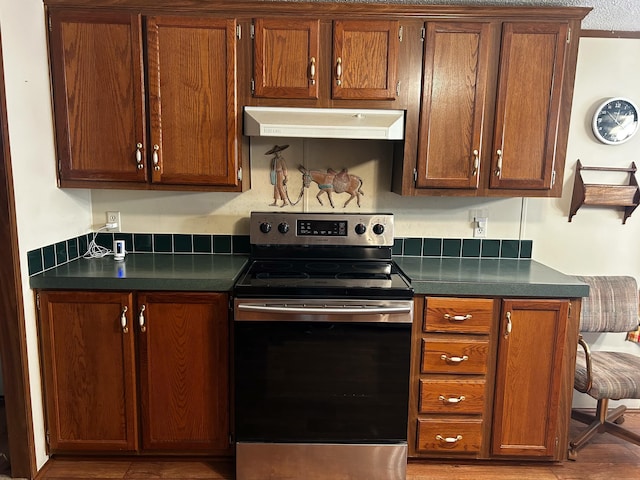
{"points": [[59, 253]]}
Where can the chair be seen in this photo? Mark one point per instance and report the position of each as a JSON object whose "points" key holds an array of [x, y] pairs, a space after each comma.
{"points": [[612, 306]]}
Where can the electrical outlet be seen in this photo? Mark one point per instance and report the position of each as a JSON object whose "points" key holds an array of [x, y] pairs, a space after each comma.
{"points": [[114, 217], [480, 227]]}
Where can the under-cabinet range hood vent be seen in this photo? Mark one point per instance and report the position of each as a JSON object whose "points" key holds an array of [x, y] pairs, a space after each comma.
{"points": [[324, 123]]}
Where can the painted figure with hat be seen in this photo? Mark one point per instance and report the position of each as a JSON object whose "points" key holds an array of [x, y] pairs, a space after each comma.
{"points": [[279, 175]]}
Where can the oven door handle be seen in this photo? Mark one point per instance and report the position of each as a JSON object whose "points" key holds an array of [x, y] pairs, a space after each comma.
{"points": [[324, 310]]}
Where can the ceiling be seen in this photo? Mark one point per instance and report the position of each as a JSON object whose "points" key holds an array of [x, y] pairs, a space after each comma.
{"points": [[618, 15]]}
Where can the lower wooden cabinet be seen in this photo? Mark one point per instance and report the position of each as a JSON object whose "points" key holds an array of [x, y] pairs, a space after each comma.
{"points": [[492, 377], [127, 372]]}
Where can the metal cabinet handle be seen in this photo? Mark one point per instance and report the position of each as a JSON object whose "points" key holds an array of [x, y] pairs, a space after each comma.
{"points": [[339, 71], [141, 319], [457, 318], [499, 163], [449, 359], [139, 163], [507, 330], [123, 320], [451, 400], [156, 159], [455, 439], [476, 162], [312, 71]]}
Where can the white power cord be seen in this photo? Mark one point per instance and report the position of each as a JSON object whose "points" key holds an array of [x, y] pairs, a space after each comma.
{"points": [[97, 251]]}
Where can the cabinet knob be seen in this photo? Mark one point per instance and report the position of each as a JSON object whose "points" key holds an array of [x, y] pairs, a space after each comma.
{"points": [[312, 71], [339, 71], [156, 158], [139, 156], [507, 330], [476, 162], [499, 163], [141, 319], [123, 320]]}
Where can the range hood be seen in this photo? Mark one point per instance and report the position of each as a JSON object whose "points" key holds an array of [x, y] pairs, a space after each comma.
{"points": [[324, 123]]}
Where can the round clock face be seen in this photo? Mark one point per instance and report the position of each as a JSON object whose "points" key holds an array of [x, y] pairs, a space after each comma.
{"points": [[615, 121]]}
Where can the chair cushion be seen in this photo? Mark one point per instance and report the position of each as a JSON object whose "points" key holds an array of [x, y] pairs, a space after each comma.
{"points": [[616, 375]]}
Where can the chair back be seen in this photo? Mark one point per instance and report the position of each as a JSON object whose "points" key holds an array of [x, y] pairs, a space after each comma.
{"points": [[612, 304]]}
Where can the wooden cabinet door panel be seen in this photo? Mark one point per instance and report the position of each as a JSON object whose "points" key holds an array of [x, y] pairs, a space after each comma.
{"points": [[529, 377], [97, 76], [89, 371], [192, 98], [456, 57], [365, 59], [184, 364], [528, 105], [286, 56]]}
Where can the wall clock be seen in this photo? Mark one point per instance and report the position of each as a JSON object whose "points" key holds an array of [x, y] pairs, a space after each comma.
{"points": [[615, 121]]}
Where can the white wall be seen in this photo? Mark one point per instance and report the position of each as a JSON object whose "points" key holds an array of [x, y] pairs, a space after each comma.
{"points": [[45, 214], [595, 242]]}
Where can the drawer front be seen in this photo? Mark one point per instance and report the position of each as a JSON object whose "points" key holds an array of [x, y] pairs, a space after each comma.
{"points": [[469, 356], [462, 315], [451, 396], [460, 436]]}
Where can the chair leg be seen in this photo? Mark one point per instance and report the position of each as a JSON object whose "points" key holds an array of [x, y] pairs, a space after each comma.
{"points": [[591, 430], [603, 421]]}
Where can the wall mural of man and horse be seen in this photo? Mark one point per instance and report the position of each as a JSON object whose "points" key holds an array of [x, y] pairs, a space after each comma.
{"points": [[329, 181]]}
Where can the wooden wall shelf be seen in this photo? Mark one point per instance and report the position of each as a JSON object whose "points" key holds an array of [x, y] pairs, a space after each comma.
{"points": [[606, 195]]}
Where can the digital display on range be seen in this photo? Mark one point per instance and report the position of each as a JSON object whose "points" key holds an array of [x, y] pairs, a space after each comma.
{"points": [[322, 228]]}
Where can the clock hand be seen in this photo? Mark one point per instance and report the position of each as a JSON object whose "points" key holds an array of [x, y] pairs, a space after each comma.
{"points": [[615, 119]]}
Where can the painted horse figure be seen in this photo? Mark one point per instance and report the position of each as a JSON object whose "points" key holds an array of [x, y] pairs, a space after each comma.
{"points": [[331, 181]]}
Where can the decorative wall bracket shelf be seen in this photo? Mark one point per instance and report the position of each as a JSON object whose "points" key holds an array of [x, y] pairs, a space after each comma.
{"points": [[606, 195]]}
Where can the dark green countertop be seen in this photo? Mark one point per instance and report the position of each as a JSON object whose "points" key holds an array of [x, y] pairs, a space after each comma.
{"points": [[495, 277], [145, 271], [193, 272]]}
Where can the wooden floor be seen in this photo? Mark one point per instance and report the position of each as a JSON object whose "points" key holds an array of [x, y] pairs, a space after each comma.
{"points": [[605, 458]]}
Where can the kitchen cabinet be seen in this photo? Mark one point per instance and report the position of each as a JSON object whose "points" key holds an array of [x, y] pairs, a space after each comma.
{"points": [[291, 63], [99, 398], [495, 95], [531, 348], [144, 101], [491, 378]]}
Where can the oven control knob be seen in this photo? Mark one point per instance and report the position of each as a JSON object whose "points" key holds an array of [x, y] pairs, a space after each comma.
{"points": [[283, 227], [265, 227], [360, 228], [378, 229]]}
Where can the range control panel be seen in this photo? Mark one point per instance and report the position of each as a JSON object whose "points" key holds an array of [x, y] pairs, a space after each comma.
{"points": [[349, 229]]}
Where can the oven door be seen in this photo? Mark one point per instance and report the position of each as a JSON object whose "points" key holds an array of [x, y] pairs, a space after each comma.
{"points": [[322, 371]]}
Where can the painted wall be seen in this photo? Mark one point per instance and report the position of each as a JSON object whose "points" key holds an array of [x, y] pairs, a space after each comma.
{"points": [[595, 242]]}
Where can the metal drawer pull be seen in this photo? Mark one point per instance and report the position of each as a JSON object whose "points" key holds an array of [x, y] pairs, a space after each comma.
{"points": [[312, 71], [499, 163], [447, 400], [143, 327], [139, 156], [455, 439], [457, 318], [123, 320], [509, 326], [339, 71], [449, 359], [476, 162], [156, 159]]}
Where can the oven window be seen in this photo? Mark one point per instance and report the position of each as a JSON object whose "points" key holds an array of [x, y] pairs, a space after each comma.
{"points": [[321, 382]]}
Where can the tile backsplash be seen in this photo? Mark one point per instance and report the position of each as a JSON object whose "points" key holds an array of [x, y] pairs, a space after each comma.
{"points": [[50, 256]]}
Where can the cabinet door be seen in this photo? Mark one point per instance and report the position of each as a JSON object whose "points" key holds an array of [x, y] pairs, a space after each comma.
{"points": [[529, 377], [528, 105], [365, 59], [89, 371], [97, 76], [454, 93], [285, 58], [184, 364], [192, 98]]}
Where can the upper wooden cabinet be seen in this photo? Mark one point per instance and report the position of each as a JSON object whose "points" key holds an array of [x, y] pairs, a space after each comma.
{"points": [[492, 101], [289, 61], [105, 135]]}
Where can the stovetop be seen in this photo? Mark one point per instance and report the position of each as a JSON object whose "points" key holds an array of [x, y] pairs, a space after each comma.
{"points": [[305, 255]]}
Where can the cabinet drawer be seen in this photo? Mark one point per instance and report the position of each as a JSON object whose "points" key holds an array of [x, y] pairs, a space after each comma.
{"points": [[451, 396], [464, 315], [440, 435], [469, 356]]}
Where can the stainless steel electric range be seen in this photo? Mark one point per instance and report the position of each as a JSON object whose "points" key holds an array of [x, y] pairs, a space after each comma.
{"points": [[322, 327]]}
